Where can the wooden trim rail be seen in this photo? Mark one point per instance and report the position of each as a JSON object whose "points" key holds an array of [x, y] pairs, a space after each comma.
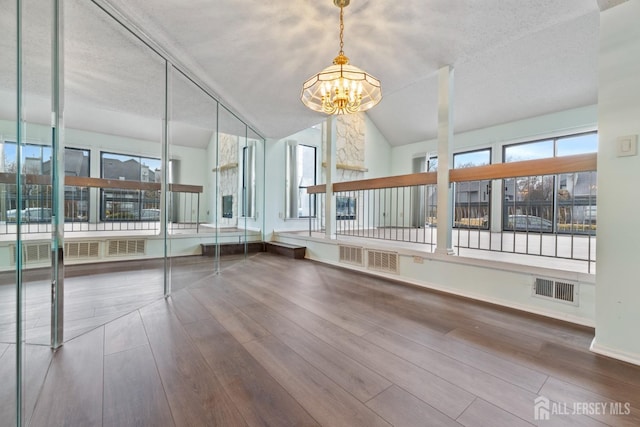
{"points": [[81, 181], [422, 178], [556, 165], [317, 189], [552, 166], [10, 178]]}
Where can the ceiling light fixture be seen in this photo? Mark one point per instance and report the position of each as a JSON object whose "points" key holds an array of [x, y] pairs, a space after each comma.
{"points": [[341, 88]]}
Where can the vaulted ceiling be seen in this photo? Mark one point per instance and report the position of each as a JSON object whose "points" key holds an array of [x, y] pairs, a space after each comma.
{"points": [[512, 58]]}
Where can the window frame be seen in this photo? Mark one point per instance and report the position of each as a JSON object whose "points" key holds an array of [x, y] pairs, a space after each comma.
{"points": [[289, 182], [556, 185], [140, 201], [480, 225]]}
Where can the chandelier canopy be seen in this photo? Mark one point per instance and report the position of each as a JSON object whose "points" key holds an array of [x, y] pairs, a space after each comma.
{"points": [[341, 88]]}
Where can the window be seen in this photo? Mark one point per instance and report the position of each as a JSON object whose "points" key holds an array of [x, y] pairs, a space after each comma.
{"points": [[472, 199], [248, 180], [129, 205], [432, 163], [35, 203], [345, 207], [560, 203], [76, 199], [579, 144], [301, 165], [36, 160], [528, 151], [469, 159]]}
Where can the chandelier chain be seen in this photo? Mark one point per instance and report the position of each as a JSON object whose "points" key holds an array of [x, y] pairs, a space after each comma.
{"points": [[341, 30]]}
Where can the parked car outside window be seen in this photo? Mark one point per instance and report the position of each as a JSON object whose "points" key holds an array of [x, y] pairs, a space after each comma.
{"points": [[150, 215], [529, 223], [30, 215]]}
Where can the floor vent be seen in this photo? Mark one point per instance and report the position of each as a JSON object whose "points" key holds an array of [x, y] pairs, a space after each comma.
{"points": [[82, 250], [382, 261], [33, 253], [556, 290], [126, 247], [351, 254]]}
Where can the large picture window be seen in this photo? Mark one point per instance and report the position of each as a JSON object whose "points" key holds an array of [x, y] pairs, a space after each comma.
{"points": [[551, 203], [36, 198], [125, 204], [76, 199]]}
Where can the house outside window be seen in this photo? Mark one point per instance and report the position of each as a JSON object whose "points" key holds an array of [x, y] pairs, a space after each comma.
{"points": [[473, 198], [37, 198], [130, 205], [564, 203]]}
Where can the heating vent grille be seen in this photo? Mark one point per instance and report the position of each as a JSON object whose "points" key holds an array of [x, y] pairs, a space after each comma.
{"points": [[351, 254], [382, 261], [125, 247], [82, 250], [32, 253], [565, 291], [556, 290]]}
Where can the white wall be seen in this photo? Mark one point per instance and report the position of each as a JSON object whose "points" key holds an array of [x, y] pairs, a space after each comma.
{"points": [[275, 180], [618, 290], [377, 151]]}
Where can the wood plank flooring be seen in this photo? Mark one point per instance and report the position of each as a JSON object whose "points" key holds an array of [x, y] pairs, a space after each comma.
{"points": [[281, 342]]}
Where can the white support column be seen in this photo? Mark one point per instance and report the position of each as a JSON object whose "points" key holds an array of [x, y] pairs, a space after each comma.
{"points": [[496, 199], [445, 139], [617, 292], [164, 187], [330, 175]]}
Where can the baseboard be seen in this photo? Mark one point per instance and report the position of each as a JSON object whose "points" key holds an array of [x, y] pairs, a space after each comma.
{"points": [[632, 358]]}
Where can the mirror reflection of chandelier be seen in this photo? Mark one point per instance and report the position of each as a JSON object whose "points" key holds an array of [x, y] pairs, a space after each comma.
{"points": [[341, 88]]}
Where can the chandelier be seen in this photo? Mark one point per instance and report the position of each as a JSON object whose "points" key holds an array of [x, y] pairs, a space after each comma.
{"points": [[341, 88]]}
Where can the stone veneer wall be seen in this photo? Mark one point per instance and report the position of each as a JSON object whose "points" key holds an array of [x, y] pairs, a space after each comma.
{"points": [[350, 146], [228, 183]]}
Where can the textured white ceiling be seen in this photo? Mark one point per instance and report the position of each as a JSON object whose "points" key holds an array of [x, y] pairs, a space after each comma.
{"points": [[512, 58]]}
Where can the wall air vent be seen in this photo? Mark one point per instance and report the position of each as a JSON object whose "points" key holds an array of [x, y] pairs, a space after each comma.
{"points": [[556, 290], [350, 254], [126, 247], [33, 253], [382, 261], [82, 250]]}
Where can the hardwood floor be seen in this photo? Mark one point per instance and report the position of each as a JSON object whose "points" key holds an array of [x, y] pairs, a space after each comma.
{"points": [[275, 341]]}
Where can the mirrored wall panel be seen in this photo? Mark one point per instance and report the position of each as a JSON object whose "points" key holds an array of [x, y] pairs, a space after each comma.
{"points": [[192, 147], [114, 93], [122, 178], [10, 318]]}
